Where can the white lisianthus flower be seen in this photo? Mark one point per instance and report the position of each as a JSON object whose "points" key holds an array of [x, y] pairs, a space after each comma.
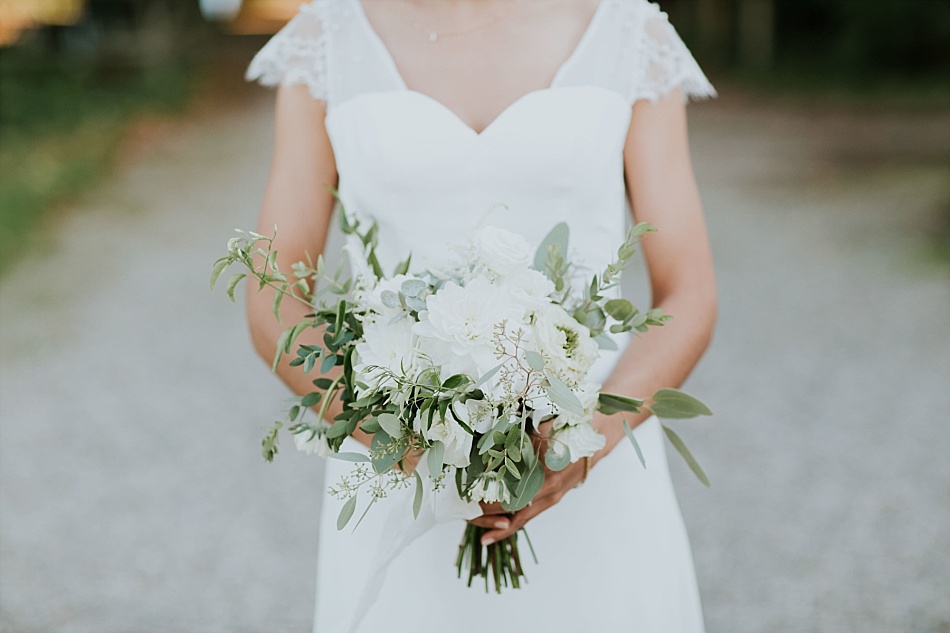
{"points": [[581, 439], [310, 441], [589, 395], [502, 252], [458, 325], [457, 441], [479, 415], [391, 346], [566, 345], [491, 490]]}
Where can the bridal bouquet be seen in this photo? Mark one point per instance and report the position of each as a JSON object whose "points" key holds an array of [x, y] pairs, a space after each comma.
{"points": [[459, 367]]}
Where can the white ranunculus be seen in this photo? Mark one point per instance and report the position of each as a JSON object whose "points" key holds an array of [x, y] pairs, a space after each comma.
{"points": [[491, 490], [502, 252], [459, 323], [589, 394], [391, 346], [310, 442], [566, 345], [457, 441], [582, 440]]}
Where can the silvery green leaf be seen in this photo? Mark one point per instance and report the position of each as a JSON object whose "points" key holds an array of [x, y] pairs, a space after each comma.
{"points": [[416, 305], [488, 375], [403, 267], [562, 396], [557, 462], [352, 457], [219, 267], [556, 241], [681, 448], [619, 309], [636, 444], [534, 360], [389, 298], [512, 469], [329, 362], [391, 424], [675, 404], [275, 306], [413, 287], [513, 444], [531, 481], [642, 228], [233, 282], [609, 404], [346, 513], [435, 458], [417, 499], [383, 457], [605, 342]]}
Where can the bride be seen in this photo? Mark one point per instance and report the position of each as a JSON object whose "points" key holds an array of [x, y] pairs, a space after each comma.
{"points": [[433, 117]]}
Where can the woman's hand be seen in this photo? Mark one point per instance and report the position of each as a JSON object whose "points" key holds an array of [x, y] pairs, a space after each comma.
{"points": [[556, 485]]}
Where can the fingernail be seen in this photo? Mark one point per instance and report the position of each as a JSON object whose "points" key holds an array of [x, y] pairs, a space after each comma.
{"points": [[501, 524], [487, 541]]}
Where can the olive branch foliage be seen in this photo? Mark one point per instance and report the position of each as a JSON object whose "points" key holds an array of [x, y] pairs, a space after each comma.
{"points": [[508, 451]]}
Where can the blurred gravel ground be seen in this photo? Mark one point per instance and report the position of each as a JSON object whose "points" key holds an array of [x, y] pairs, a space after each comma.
{"points": [[134, 500]]}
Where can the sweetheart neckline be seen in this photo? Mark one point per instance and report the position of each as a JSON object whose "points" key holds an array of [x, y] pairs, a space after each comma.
{"points": [[390, 61]]}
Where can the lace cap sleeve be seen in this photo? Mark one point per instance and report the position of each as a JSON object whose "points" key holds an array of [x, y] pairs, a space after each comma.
{"points": [[296, 54], [663, 61]]}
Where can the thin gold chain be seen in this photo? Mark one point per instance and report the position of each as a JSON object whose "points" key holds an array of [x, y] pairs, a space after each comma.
{"points": [[436, 35]]}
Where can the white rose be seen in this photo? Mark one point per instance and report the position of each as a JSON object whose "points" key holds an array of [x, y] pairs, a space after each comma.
{"points": [[501, 251], [582, 440], [532, 288], [310, 441], [457, 441]]}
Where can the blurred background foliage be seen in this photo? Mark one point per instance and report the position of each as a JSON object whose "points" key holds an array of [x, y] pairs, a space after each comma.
{"points": [[74, 73]]}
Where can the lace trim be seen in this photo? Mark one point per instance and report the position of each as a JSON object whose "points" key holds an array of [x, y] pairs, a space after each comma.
{"points": [[663, 63], [297, 54]]}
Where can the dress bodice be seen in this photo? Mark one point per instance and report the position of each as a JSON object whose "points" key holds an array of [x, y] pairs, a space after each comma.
{"points": [[555, 154]]}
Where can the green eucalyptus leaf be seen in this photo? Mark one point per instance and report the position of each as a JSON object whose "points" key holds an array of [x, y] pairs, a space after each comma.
{"points": [[358, 458], [232, 284], [557, 462], [338, 429], [219, 267], [456, 381], [619, 309], [311, 399], [606, 343], [403, 267], [413, 287], [384, 457], [391, 424], [435, 458], [685, 453], [675, 404], [488, 375], [556, 243], [562, 396], [346, 513], [370, 426], [636, 444], [417, 499], [389, 298], [532, 478], [534, 360], [609, 404], [329, 362]]}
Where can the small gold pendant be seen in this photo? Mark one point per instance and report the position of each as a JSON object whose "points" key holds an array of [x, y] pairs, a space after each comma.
{"points": [[433, 37]]}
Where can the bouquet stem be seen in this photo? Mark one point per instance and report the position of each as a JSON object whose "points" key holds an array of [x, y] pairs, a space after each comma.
{"points": [[501, 561]]}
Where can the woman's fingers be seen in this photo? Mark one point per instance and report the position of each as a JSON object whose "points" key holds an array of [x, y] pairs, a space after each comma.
{"points": [[493, 508], [519, 519], [497, 521]]}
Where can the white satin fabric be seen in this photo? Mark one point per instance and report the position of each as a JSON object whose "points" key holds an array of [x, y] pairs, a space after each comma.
{"points": [[614, 553]]}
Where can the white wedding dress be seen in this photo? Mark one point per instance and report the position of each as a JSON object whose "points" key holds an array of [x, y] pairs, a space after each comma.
{"points": [[614, 554]]}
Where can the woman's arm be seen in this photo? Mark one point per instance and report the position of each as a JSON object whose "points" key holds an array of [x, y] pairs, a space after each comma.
{"points": [[299, 203], [662, 190]]}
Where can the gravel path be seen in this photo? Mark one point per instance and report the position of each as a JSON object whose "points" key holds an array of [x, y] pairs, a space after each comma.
{"points": [[134, 499]]}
